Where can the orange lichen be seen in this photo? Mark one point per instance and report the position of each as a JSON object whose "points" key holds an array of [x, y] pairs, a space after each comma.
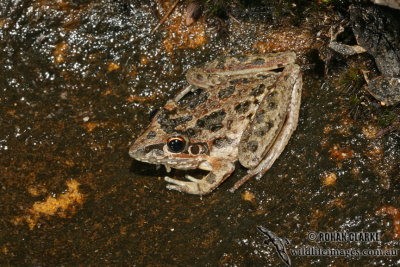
{"points": [[249, 196], [375, 154], [345, 126], [63, 5], [141, 99], [180, 36], [339, 153], [327, 129], [11, 111], [59, 53], [108, 92], [61, 206], [339, 203], [36, 191], [355, 170], [329, 179], [2, 23], [112, 66], [133, 73], [277, 40], [91, 125], [144, 60], [4, 250], [370, 131], [393, 211]]}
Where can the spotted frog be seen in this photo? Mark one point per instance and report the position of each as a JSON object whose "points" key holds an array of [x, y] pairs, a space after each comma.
{"points": [[241, 108]]}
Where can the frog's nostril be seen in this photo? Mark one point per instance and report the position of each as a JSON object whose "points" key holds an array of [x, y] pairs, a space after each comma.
{"points": [[135, 153]]}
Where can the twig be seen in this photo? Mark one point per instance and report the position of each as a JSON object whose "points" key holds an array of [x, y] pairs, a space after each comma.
{"points": [[233, 18], [385, 131], [165, 17]]}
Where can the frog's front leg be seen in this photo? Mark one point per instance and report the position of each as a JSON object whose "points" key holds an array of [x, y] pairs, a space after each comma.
{"points": [[220, 170]]}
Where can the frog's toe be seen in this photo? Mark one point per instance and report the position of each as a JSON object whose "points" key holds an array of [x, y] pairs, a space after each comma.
{"points": [[176, 187], [191, 178], [174, 181], [187, 187]]}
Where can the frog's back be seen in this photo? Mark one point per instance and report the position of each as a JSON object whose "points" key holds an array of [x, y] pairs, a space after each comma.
{"points": [[221, 111]]}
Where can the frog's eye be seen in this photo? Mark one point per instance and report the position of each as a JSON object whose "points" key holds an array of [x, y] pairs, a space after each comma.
{"points": [[176, 144]]}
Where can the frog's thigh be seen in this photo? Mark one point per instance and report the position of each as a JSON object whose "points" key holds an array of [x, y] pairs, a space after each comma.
{"points": [[281, 140], [285, 134], [262, 132], [221, 170]]}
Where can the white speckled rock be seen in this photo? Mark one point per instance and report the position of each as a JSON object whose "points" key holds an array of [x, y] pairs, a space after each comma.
{"points": [[389, 3]]}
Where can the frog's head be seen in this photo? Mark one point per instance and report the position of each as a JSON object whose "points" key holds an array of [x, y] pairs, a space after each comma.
{"points": [[172, 150]]}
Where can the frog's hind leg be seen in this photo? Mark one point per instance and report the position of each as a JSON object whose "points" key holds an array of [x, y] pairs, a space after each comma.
{"points": [[221, 170], [282, 139]]}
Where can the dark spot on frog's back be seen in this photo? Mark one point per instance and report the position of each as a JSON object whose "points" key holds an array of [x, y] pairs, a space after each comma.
{"points": [[213, 121], [261, 132], [271, 95], [226, 92], [258, 90], [242, 58], [272, 105], [169, 125], [267, 126], [216, 128], [199, 77], [222, 142], [260, 116], [252, 146], [242, 107], [193, 99], [197, 102], [235, 81], [151, 135], [258, 61], [264, 129]]}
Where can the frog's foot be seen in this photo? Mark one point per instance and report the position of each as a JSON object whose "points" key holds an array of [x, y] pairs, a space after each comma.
{"points": [[193, 186], [220, 171], [343, 49]]}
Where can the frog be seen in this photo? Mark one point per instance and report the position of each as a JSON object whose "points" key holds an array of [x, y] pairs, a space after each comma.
{"points": [[235, 108], [375, 30]]}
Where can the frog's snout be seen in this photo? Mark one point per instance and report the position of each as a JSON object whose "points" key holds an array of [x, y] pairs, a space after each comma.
{"points": [[136, 153], [146, 154]]}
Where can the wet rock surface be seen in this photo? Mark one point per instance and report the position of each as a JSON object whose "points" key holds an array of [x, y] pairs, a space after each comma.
{"points": [[377, 30], [78, 81]]}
